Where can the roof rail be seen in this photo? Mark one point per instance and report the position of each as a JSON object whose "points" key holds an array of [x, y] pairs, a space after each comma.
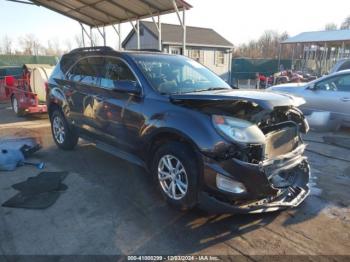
{"points": [[145, 50], [92, 48]]}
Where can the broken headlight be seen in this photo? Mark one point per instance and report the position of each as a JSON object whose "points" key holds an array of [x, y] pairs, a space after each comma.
{"points": [[238, 130]]}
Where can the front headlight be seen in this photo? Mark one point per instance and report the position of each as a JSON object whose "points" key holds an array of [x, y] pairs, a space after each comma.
{"points": [[238, 130]]}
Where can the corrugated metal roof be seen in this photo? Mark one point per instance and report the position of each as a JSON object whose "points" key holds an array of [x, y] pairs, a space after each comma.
{"points": [[319, 37], [106, 12], [195, 36]]}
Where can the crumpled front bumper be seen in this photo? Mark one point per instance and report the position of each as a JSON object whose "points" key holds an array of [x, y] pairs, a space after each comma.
{"points": [[272, 185]]}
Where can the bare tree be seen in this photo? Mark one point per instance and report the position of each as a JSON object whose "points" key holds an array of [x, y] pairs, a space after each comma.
{"points": [[78, 40], [6, 45], [30, 45], [346, 23], [53, 48], [267, 46], [330, 27], [67, 46]]}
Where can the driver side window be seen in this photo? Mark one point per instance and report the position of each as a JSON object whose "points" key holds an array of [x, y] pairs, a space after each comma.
{"points": [[337, 83], [115, 70]]}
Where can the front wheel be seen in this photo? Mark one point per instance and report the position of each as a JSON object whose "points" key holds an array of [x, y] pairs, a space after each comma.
{"points": [[15, 106], [64, 136], [176, 173]]}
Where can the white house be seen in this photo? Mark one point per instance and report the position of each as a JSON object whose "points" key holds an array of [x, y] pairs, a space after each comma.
{"points": [[202, 44]]}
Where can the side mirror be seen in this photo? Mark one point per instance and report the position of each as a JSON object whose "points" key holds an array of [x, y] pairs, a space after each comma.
{"points": [[127, 86], [312, 87]]}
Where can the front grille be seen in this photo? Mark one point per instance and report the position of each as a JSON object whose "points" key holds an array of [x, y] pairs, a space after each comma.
{"points": [[281, 141]]}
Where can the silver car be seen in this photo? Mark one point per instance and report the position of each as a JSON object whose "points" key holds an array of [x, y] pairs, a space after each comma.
{"points": [[329, 94]]}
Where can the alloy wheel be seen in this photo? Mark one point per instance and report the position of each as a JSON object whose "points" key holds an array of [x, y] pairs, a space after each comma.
{"points": [[58, 129], [172, 177]]}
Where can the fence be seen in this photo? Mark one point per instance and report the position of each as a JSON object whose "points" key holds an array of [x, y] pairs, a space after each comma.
{"points": [[19, 60], [244, 69]]}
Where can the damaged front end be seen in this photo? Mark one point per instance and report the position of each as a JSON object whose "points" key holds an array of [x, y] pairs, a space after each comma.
{"points": [[263, 167]]}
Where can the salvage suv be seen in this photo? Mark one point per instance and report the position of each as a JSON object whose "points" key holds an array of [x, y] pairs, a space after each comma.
{"points": [[203, 142]]}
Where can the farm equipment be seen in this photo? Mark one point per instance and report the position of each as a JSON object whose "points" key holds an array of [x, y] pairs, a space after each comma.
{"points": [[27, 94]]}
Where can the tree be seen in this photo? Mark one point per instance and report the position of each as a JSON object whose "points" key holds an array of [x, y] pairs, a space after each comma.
{"points": [[6, 45], [78, 40], [267, 46], [346, 23], [53, 48], [30, 45], [330, 27]]}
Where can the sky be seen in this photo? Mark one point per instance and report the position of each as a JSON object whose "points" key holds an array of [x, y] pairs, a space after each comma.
{"points": [[237, 21]]}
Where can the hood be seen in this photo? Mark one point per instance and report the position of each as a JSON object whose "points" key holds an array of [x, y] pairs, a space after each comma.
{"points": [[264, 99]]}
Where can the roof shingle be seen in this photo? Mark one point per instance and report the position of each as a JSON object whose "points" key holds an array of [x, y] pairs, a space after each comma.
{"points": [[194, 36]]}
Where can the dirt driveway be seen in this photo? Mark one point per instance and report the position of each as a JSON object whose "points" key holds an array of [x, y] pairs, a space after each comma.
{"points": [[111, 207]]}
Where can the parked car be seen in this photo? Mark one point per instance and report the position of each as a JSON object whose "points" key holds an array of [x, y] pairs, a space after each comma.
{"points": [[342, 64], [327, 94], [203, 142]]}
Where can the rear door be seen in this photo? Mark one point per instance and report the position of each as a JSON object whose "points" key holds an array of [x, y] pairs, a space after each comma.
{"points": [[82, 85]]}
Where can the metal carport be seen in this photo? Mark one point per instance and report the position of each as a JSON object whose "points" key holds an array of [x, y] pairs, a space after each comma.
{"points": [[101, 13], [323, 47]]}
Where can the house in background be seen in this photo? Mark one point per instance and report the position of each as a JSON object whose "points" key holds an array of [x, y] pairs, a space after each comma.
{"points": [[202, 44]]}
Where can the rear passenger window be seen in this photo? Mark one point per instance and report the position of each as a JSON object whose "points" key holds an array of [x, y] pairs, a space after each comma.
{"points": [[88, 71], [115, 70]]}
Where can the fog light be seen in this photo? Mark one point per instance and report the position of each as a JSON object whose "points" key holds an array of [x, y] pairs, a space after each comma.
{"points": [[229, 185]]}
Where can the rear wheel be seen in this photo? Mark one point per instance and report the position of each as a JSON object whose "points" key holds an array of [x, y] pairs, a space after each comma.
{"points": [[176, 173], [64, 135], [15, 106]]}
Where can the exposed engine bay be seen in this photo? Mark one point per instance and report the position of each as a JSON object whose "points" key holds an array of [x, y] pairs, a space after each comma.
{"points": [[281, 127]]}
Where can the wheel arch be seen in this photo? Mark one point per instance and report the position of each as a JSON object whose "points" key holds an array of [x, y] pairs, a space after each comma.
{"points": [[52, 106], [166, 135]]}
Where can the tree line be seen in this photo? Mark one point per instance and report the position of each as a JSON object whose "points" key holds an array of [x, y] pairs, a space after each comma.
{"points": [[267, 46], [31, 45]]}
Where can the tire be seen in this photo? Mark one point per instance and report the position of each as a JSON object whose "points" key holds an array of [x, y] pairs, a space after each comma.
{"points": [[14, 104], [65, 136], [176, 151]]}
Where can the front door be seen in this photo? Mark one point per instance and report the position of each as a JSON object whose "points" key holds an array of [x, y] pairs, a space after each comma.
{"points": [[332, 95], [119, 116]]}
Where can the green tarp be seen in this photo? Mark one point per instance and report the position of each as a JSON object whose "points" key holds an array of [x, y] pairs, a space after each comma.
{"points": [[19, 60]]}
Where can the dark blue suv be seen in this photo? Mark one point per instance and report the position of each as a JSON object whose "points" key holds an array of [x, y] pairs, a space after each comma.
{"points": [[202, 141]]}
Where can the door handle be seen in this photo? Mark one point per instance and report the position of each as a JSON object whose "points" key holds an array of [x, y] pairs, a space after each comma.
{"points": [[345, 99], [98, 98]]}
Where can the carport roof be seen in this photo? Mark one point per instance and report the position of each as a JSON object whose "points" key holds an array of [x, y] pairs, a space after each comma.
{"points": [[97, 13], [320, 37]]}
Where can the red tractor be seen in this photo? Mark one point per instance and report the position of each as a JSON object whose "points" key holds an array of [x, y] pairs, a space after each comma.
{"points": [[28, 93]]}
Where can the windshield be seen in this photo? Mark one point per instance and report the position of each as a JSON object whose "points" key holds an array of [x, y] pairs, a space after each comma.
{"points": [[178, 74]]}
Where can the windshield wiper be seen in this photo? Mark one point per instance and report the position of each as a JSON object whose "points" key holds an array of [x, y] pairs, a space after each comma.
{"points": [[196, 91], [207, 89]]}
